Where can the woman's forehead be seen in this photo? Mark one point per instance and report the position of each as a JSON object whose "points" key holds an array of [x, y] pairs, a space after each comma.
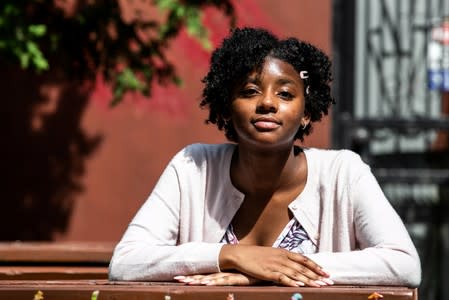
{"points": [[274, 67]]}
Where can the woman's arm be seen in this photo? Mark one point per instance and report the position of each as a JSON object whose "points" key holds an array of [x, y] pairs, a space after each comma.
{"points": [[137, 260], [149, 251], [387, 255]]}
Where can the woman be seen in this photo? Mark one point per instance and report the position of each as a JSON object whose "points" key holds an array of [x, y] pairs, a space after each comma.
{"points": [[263, 209]]}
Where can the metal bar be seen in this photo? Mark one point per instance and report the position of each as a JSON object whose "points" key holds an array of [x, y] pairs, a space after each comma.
{"points": [[344, 63], [402, 123], [410, 175], [428, 97], [366, 63]]}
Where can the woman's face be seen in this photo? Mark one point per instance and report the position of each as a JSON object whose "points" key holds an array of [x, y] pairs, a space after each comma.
{"points": [[269, 107]]}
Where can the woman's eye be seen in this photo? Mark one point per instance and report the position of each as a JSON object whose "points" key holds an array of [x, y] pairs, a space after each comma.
{"points": [[248, 93], [285, 95]]}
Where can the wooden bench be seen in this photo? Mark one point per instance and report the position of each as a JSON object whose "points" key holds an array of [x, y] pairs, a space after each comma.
{"points": [[61, 260]]}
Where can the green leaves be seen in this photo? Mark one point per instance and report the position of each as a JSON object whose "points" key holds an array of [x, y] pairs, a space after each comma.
{"points": [[10, 9], [37, 30], [125, 81], [21, 40], [187, 14], [37, 58], [26, 48], [196, 28], [94, 39]]}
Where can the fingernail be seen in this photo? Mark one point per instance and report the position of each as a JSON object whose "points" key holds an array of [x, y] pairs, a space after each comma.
{"points": [[179, 277], [205, 281], [300, 283], [325, 272], [187, 280], [328, 281], [320, 282]]}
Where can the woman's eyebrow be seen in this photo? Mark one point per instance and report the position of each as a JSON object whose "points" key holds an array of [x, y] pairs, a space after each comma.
{"points": [[253, 79], [283, 81]]}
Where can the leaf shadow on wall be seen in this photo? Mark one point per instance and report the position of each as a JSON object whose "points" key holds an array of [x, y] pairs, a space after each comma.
{"points": [[43, 152]]}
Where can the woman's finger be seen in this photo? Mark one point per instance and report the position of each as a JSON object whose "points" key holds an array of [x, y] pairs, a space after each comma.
{"points": [[299, 281], [229, 279], [287, 281], [306, 276], [214, 279], [299, 272], [190, 279], [308, 263]]}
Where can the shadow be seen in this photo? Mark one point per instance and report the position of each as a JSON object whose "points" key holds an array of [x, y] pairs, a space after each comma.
{"points": [[43, 152]]}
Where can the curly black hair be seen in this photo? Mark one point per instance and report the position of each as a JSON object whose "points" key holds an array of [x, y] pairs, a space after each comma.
{"points": [[245, 51]]}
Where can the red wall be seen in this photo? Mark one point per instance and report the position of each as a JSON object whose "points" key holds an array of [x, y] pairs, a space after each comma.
{"points": [[114, 156]]}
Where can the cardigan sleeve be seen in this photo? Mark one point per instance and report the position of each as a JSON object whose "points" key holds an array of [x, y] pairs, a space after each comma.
{"points": [[149, 249], [386, 254]]}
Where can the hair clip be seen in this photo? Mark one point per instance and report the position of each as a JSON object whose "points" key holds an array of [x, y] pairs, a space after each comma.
{"points": [[304, 74]]}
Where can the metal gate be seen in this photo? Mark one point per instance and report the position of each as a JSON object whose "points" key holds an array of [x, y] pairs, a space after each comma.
{"points": [[386, 112]]}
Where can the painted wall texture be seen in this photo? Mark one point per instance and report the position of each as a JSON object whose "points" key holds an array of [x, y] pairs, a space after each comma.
{"points": [[77, 170]]}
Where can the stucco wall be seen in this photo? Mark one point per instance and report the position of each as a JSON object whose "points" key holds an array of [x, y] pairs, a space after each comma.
{"points": [[104, 162]]}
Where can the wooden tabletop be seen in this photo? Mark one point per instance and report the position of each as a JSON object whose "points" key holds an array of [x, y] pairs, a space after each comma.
{"points": [[83, 289]]}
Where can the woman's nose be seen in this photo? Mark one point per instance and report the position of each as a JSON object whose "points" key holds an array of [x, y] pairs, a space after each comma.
{"points": [[267, 103]]}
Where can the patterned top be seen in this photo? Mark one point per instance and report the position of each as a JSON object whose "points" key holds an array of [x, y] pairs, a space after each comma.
{"points": [[293, 238]]}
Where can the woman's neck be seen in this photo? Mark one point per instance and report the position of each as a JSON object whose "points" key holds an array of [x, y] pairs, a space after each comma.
{"points": [[265, 171]]}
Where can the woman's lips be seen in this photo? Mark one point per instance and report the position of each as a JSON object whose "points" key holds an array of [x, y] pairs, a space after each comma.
{"points": [[266, 123]]}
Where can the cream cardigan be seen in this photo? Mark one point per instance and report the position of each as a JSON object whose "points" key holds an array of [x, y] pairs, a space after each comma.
{"points": [[361, 240]]}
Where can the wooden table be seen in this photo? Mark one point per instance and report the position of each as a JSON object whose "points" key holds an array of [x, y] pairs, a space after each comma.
{"points": [[83, 289], [73, 271]]}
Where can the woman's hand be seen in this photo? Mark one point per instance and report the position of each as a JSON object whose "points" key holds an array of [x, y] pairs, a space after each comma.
{"points": [[221, 278], [273, 264]]}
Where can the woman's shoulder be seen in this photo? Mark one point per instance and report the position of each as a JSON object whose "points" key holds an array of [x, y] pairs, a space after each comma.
{"points": [[330, 155], [336, 161], [199, 153]]}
